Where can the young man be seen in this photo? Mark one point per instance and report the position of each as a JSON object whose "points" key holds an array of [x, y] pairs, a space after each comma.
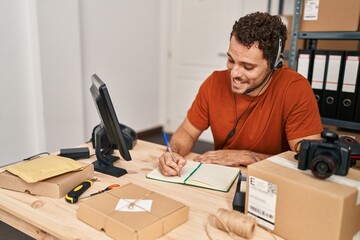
{"points": [[255, 108]]}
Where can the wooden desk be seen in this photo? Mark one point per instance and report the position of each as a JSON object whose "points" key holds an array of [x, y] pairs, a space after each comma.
{"points": [[49, 218]]}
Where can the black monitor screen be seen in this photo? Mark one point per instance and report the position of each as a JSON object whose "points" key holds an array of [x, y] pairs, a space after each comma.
{"points": [[108, 129]]}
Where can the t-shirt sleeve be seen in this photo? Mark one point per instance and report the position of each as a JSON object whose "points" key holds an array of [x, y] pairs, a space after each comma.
{"points": [[302, 113], [198, 114]]}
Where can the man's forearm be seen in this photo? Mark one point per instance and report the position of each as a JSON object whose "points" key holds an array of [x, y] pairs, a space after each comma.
{"points": [[231, 157], [181, 143], [248, 157]]}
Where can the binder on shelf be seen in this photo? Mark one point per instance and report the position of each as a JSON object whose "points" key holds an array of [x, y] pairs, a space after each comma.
{"points": [[318, 76], [305, 62], [333, 75], [346, 108]]}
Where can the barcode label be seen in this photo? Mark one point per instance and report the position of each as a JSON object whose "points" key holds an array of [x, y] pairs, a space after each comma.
{"points": [[262, 201], [262, 212]]}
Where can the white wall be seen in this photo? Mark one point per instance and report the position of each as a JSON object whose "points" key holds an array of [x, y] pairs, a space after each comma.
{"points": [[49, 49], [21, 114], [121, 44], [60, 60]]}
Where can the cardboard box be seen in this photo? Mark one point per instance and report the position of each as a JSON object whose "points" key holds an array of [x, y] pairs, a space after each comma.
{"points": [[342, 45], [330, 15], [164, 214], [55, 187], [294, 204]]}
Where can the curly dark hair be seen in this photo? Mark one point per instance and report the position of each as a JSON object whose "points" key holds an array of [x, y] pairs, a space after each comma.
{"points": [[264, 29]]}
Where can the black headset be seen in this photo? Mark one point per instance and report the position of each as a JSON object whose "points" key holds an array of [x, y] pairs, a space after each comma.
{"points": [[278, 62]]}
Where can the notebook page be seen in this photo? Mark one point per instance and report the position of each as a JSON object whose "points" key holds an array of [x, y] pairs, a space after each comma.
{"points": [[185, 173], [214, 176]]}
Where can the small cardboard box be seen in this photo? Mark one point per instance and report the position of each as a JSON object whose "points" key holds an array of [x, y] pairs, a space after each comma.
{"points": [[294, 204], [164, 215], [55, 187], [330, 15]]}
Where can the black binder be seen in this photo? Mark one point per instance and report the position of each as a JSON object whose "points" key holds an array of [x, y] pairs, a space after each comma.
{"points": [[346, 108], [334, 71], [318, 76], [305, 63]]}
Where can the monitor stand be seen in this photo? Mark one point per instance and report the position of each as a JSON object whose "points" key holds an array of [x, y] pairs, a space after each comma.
{"points": [[105, 160]]}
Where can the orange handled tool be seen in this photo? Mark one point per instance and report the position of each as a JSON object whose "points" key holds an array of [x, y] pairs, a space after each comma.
{"points": [[104, 190]]}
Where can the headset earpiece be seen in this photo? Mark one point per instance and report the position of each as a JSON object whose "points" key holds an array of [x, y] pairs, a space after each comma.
{"points": [[275, 65], [279, 59]]}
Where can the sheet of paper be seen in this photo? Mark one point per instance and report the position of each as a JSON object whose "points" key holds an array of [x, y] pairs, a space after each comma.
{"points": [[124, 205]]}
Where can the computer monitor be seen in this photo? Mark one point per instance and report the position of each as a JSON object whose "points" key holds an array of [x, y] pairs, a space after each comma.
{"points": [[110, 127]]}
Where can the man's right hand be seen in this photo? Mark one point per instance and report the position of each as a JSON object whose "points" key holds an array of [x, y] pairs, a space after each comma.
{"points": [[169, 167]]}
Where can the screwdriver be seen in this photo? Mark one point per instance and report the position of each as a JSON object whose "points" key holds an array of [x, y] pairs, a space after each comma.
{"points": [[104, 190], [75, 193]]}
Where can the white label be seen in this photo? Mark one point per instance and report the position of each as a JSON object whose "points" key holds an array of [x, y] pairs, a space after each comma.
{"points": [[351, 69], [318, 72], [134, 205], [262, 201], [332, 78], [303, 64], [311, 10]]}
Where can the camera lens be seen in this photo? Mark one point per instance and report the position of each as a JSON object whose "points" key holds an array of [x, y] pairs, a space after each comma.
{"points": [[323, 166]]}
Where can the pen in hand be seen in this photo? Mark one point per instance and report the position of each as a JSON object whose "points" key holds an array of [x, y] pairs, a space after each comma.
{"points": [[169, 149]]}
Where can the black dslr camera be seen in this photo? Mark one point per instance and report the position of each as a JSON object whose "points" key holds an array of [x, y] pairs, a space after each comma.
{"points": [[325, 157]]}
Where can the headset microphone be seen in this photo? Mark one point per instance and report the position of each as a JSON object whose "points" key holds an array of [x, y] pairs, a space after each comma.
{"points": [[231, 133], [249, 90]]}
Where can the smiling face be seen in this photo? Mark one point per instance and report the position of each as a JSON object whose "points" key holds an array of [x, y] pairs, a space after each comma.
{"points": [[247, 67]]}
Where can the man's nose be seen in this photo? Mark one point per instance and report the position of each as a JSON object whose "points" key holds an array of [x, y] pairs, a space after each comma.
{"points": [[237, 71]]}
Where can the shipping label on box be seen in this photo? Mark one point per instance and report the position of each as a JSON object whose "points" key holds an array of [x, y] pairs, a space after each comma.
{"points": [[311, 10], [296, 205], [262, 201]]}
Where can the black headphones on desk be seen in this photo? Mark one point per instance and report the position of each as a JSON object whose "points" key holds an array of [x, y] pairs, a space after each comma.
{"points": [[129, 134]]}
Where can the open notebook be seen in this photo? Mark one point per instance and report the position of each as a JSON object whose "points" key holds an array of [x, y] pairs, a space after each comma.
{"points": [[211, 176]]}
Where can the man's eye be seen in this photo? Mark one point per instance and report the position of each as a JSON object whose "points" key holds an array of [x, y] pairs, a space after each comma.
{"points": [[230, 60], [248, 68]]}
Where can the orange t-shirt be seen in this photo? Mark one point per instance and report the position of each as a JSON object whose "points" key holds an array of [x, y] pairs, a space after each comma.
{"points": [[286, 110]]}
